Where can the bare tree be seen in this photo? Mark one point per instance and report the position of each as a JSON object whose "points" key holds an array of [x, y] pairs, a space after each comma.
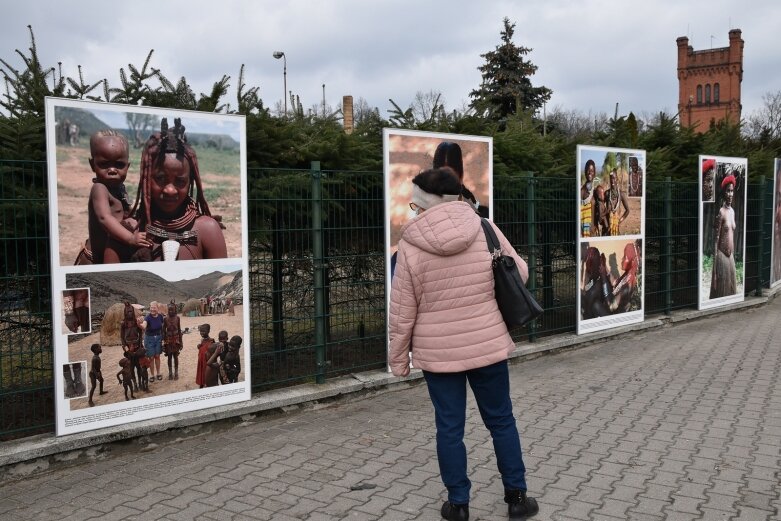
{"points": [[140, 126], [362, 111], [765, 123], [573, 122], [428, 106]]}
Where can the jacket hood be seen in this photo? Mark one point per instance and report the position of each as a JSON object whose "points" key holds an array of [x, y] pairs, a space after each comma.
{"points": [[445, 229]]}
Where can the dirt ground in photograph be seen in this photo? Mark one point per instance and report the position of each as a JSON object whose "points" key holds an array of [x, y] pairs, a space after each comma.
{"points": [[631, 225], [188, 360], [74, 182]]}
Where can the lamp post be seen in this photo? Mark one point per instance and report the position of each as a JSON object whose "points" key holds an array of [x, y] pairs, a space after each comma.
{"points": [[278, 55]]}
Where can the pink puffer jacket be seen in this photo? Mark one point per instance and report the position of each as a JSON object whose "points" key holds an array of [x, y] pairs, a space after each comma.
{"points": [[442, 305]]}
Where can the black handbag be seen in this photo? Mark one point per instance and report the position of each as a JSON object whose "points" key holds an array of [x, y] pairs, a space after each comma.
{"points": [[517, 305]]}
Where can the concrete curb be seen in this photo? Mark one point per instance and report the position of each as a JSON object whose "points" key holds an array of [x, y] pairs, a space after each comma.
{"points": [[38, 453]]}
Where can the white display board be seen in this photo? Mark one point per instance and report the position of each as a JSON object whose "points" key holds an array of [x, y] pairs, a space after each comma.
{"points": [[722, 220], [180, 188], [610, 201]]}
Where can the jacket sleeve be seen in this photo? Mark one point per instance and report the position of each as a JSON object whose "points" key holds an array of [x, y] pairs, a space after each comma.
{"points": [[403, 311], [508, 249]]}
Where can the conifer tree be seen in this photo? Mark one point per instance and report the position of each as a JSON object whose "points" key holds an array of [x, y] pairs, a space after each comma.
{"points": [[506, 87]]}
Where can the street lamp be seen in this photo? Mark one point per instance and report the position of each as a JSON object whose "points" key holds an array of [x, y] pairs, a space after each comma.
{"points": [[278, 55]]}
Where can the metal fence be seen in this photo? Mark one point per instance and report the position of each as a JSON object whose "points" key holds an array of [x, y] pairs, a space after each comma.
{"points": [[317, 271]]}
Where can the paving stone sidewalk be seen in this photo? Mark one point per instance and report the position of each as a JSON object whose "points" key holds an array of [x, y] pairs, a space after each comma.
{"points": [[677, 423]]}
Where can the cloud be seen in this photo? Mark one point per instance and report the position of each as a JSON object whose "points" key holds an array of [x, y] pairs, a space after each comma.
{"points": [[592, 53]]}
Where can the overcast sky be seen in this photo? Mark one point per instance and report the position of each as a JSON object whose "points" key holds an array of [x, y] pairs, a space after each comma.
{"points": [[591, 53]]}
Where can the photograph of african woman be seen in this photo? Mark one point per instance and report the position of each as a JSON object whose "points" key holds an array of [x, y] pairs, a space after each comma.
{"points": [[610, 187], [409, 152], [131, 187], [723, 232], [139, 177], [611, 277], [775, 272]]}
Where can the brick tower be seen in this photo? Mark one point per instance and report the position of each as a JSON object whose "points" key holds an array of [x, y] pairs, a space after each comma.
{"points": [[709, 82]]}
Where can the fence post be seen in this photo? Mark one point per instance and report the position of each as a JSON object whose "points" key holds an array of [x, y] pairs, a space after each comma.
{"points": [[277, 285], [532, 234], [319, 269], [667, 246], [760, 252]]}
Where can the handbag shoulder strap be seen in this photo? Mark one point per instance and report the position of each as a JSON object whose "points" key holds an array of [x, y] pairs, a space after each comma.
{"points": [[490, 237]]}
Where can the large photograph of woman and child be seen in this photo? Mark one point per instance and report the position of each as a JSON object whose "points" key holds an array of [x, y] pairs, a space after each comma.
{"points": [[610, 188], [775, 258], [147, 209], [722, 215]]}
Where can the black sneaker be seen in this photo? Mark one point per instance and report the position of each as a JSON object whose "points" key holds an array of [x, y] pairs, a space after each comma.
{"points": [[519, 506], [453, 512]]}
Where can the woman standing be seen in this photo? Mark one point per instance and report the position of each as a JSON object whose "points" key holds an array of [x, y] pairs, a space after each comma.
{"points": [[443, 312], [723, 279], [588, 224], [615, 200], [153, 339]]}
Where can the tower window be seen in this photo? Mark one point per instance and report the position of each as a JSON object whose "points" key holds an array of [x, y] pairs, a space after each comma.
{"points": [[715, 93], [707, 93], [699, 94]]}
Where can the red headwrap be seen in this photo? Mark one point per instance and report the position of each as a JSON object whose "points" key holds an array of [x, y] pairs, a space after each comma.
{"points": [[630, 263], [708, 164], [730, 179]]}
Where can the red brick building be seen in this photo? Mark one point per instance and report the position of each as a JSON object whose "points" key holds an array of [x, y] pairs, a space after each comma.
{"points": [[709, 82]]}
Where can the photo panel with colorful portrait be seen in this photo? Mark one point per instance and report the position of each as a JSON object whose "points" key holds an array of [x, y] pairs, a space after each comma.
{"points": [[722, 240], [130, 178], [610, 288], [148, 209], [610, 188], [179, 301], [408, 153], [610, 201]]}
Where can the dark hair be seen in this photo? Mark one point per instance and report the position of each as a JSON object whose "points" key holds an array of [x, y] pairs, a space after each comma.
{"points": [[449, 154], [438, 181], [592, 163], [153, 156], [94, 348]]}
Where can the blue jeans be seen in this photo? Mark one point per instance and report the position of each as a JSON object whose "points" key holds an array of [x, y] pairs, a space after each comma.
{"points": [[491, 387]]}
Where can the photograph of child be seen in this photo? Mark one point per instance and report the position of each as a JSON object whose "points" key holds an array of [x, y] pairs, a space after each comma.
{"points": [[152, 320], [610, 202], [148, 213], [722, 238], [136, 179]]}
